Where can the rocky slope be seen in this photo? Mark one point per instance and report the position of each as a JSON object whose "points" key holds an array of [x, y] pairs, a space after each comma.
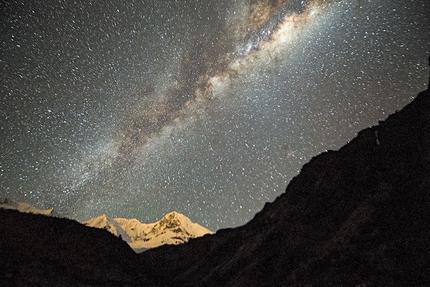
{"points": [[359, 216], [173, 228]]}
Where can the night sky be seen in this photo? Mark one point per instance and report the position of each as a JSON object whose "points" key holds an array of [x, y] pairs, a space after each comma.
{"points": [[209, 108]]}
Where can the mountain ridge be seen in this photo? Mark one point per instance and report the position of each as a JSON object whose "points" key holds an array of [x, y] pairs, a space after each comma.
{"points": [[172, 228], [6, 203]]}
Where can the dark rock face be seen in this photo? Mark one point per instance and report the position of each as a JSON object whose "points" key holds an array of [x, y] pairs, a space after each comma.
{"points": [[360, 215], [38, 250]]}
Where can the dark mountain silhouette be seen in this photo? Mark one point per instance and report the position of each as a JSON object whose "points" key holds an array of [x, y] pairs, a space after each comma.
{"points": [[39, 250], [359, 216]]}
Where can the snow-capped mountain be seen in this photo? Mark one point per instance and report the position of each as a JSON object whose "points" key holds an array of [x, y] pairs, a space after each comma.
{"points": [[25, 207], [173, 228]]}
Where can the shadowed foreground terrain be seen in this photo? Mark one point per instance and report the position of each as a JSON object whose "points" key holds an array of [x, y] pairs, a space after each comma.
{"points": [[38, 250], [359, 215]]}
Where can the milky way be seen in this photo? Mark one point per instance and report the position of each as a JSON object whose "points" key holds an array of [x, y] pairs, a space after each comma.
{"points": [[209, 108]]}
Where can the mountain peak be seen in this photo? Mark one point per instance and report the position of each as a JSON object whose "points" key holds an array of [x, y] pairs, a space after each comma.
{"points": [[172, 228], [173, 215], [174, 218]]}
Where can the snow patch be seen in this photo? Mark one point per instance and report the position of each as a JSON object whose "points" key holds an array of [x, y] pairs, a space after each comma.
{"points": [[25, 207]]}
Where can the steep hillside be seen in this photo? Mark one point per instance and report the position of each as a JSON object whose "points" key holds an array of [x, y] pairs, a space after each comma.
{"points": [[359, 215]]}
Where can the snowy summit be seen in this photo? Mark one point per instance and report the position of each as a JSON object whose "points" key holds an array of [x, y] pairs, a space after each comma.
{"points": [[25, 207], [173, 228]]}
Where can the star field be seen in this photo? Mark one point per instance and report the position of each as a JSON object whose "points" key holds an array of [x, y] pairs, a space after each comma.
{"points": [[209, 108]]}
